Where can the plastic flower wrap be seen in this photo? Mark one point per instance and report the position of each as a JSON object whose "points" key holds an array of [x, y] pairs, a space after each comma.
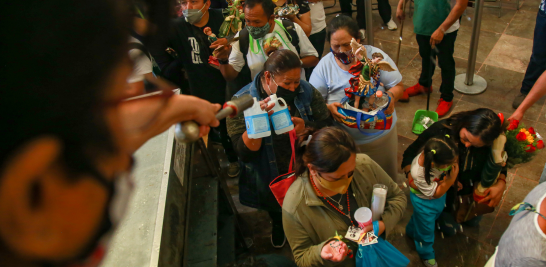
{"points": [[521, 143]]}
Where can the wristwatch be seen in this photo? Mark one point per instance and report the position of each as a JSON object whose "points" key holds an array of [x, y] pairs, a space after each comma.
{"points": [[223, 62]]}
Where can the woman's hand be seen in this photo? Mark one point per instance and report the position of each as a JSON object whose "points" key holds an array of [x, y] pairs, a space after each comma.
{"points": [[369, 228], [400, 13], [390, 108], [333, 110], [493, 194], [299, 124], [267, 106], [334, 251]]}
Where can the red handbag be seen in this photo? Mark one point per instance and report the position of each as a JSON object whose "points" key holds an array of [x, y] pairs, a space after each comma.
{"points": [[279, 186]]}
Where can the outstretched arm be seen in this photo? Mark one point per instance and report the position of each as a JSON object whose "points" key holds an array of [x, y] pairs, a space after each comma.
{"points": [[538, 91]]}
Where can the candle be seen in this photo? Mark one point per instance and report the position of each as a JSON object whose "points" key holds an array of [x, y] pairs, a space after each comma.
{"points": [[379, 198]]}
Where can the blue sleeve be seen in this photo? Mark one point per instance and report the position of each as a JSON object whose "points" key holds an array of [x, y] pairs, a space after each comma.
{"points": [[318, 79]]}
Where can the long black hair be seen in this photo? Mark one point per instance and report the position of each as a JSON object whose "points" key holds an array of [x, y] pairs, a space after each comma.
{"points": [[481, 122], [343, 22], [440, 150], [327, 149]]}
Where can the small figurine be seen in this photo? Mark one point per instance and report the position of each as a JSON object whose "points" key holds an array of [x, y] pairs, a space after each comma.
{"points": [[367, 75], [211, 36], [271, 44]]}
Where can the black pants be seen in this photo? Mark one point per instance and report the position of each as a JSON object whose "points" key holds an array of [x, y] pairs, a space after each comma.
{"points": [[221, 131], [383, 7], [444, 52], [317, 40], [537, 64]]}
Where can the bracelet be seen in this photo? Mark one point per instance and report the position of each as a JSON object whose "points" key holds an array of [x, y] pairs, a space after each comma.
{"points": [[223, 62], [503, 179], [407, 173]]}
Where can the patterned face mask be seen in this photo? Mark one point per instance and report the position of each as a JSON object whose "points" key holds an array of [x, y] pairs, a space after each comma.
{"points": [[258, 32], [344, 57]]}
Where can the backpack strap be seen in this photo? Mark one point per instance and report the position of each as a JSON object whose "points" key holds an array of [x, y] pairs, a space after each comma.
{"points": [[289, 27], [244, 42]]}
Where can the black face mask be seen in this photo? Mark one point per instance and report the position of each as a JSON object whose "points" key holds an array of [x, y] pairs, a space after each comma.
{"points": [[286, 94]]}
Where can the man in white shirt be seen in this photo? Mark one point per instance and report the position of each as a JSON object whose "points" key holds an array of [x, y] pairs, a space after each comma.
{"points": [[263, 29]]}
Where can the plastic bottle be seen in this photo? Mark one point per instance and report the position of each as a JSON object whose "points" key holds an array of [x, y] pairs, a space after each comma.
{"points": [[381, 99], [281, 119], [257, 122]]}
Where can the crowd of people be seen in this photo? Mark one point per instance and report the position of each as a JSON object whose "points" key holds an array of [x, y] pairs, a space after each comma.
{"points": [[74, 124]]}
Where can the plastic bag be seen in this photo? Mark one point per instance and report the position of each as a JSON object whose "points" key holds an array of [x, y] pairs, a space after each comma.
{"points": [[381, 254]]}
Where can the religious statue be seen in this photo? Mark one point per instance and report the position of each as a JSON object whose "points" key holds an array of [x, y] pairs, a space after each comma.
{"points": [[233, 21], [367, 77], [211, 36]]}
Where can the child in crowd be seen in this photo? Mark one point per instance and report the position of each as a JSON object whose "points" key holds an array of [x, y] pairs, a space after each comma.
{"points": [[433, 172]]}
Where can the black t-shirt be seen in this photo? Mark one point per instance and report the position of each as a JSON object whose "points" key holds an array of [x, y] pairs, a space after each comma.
{"points": [[192, 47]]}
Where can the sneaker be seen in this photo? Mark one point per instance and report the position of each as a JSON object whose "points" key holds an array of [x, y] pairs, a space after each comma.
{"points": [[233, 169], [418, 89], [430, 263], [392, 25], [517, 101], [278, 239], [405, 97], [443, 107]]}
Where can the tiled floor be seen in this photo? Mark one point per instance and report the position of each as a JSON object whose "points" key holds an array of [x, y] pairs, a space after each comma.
{"points": [[503, 54]]}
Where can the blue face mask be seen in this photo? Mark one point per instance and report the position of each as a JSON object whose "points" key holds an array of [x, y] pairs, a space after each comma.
{"points": [[258, 32]]}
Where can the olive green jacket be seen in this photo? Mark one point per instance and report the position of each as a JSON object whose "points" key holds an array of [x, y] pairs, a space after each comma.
{"points": [[309, 224]]}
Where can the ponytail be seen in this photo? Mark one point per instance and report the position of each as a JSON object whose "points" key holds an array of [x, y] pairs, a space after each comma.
{"points": [[326, 149], [439, 150]]}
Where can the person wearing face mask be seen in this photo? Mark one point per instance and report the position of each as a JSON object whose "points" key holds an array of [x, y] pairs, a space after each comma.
{"points": [[474, 132], [261, 28], [264, 159], [64, 180], [193, 50], [333, 182], [331, 76]]}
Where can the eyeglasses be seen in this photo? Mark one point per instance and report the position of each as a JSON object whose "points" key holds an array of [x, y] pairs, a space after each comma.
{"points": [[138, 113]]}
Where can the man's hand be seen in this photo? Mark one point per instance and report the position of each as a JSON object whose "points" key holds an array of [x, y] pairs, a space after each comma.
{"points": [[436, 37], [494, 193], [219, 42], [333, 110], [334, 251], [299, 124], [222, 53], [400, 13], [369, 228], [517, 115]]}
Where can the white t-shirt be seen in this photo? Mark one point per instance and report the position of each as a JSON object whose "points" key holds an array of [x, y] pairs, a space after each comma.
{"points": [[256, 57], [318, 17], [331, 81], [418, 175], [141, 63]]}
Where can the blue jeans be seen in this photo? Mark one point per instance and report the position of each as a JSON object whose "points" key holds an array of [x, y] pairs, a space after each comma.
{"points": [[537, 64], [422, 223]]}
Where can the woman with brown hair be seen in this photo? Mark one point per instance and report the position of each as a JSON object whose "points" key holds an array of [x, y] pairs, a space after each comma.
{"points": [[333, 182]]}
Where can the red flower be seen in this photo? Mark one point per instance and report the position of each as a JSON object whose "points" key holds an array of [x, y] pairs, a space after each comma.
{"points": [[530, 149], [540, 144], [513, 125], [521, 136], [531, 130]]}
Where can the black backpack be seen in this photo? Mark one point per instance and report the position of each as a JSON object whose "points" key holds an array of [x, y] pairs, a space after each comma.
{"points": [[244, 76]]}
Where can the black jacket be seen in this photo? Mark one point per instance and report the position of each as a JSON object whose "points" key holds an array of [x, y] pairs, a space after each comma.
{"points": [[471, 160]]}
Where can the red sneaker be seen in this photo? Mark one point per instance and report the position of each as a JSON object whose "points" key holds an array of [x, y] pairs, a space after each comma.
{"points": [[443, 107], [418, 89], [405, 97]]}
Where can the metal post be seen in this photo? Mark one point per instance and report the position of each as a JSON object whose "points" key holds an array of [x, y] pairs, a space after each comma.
{"points": [[470, 83], [369, 22]]}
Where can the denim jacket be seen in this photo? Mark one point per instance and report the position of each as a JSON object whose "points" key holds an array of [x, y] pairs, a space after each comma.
{"points": [[260, 171]]}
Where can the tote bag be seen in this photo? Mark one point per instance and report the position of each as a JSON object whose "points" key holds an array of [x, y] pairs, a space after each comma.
{"points": [[281, 183]]}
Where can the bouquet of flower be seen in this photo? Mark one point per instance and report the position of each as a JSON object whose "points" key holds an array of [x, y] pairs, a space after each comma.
{"points": [[521, 143]]}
